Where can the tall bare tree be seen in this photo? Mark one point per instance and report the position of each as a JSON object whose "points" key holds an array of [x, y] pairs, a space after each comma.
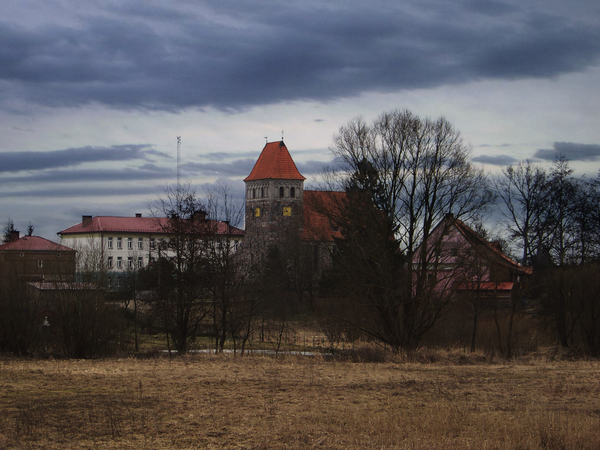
{"points": [[183, 266], [408, 173], [525, 193]]}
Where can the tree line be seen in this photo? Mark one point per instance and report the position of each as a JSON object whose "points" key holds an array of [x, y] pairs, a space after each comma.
{"points": [[401, 175]]}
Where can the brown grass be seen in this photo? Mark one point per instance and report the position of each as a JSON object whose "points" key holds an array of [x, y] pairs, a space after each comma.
{"points": [[212, 401]]}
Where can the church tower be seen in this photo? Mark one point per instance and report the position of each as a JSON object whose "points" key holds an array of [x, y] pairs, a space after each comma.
{"points": [[274, 199]]}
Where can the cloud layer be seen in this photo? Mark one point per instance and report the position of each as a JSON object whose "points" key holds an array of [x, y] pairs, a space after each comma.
{"points": [[570, 150], [237, 54]]}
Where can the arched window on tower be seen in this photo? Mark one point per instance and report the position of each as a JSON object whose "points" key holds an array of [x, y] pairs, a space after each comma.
{"points": [[281, 192], [292, 192], [262, 192], [253, 193]]}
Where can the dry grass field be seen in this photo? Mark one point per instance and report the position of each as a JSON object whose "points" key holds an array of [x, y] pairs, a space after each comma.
{"points": [[209, 401]]}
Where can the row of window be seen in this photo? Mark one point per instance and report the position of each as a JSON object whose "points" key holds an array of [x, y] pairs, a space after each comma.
{"points": [[264, 192], [130, 262], [130, 243], [287, 212]]}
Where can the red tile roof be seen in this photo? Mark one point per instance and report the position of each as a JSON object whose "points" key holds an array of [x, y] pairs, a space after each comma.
{"points": [[146, 225], [486, 286], [34, 243], [275, 162], [317, 226], [475, 239], [142, 225]]}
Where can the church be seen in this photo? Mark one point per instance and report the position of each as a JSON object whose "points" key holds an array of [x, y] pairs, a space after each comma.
{"points": [[279, 210]]}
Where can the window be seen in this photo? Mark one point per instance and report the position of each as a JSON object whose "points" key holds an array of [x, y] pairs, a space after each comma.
{"points": [[110, 241], [40, 263], [130, 262], [262, 192], [287, 211], [22, 254], [119, 263], [292, 192], [110, 262], [281, 192], [119, 243], [140, 243], [140, 262], [58, 255], [119, 282], [130, 243], [152, 243], [253, 193]]}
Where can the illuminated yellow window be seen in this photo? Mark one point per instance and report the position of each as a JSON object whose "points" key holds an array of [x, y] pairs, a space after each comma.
{"points": [[257, 212], [287, 211]]}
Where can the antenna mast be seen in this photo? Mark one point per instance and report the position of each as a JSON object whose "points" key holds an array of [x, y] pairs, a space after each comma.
{"points": [[178, 159]]}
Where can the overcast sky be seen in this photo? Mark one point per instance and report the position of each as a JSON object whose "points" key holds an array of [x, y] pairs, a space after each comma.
{"points": [[94, 94]]}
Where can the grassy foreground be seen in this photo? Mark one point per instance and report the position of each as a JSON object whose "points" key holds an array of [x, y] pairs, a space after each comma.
{"points": [[208, 401]]}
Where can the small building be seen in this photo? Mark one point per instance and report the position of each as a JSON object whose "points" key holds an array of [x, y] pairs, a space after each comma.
{"points": [[34, 258], [460, 260]]}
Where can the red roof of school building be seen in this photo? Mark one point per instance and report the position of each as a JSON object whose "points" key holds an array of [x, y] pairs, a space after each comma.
{"points": [[138, 224], [275, 162], [34, 243], [97, 224]]}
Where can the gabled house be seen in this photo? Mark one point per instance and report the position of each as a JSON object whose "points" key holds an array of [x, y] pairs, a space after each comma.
{"points": [[461, 260], [34, 258]]}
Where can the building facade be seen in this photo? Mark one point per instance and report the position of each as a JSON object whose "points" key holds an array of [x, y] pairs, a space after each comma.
{"points": [[125, 244], [34, 258], [274, 199], [280, 212]]}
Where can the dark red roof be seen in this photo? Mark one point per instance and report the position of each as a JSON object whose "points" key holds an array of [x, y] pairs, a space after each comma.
{"points": [[317, 226], [275, 162], [34, 243], [476, 240], [146, 225], [142, 225], [486, 286]]}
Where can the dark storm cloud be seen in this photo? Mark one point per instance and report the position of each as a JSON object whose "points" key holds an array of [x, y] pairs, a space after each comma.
{"points": [[84, 192], [237, 54], [70, 176], [571, 151], [237, 168], [497, 160], [308, 168], [18, 161]]}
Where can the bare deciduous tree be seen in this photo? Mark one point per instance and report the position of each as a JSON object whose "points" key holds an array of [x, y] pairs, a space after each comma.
{"points": [[402, 175]]}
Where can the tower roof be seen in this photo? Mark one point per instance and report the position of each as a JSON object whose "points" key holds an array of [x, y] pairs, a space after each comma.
{"points": [[275, 162]]}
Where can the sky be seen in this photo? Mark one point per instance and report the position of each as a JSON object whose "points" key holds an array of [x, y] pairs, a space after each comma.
{"points": [[94, 94]]}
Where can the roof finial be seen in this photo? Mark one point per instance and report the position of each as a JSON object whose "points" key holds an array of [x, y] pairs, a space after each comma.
{"points": [[266, 139], [282, 135]]}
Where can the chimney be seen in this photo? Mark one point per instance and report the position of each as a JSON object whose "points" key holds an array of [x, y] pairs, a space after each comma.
{"points": [[199, 216], [138, 214], [14, 236], [86, 220]]}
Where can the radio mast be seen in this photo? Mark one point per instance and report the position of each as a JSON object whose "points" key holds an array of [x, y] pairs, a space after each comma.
{"points": [[178, 160]]}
